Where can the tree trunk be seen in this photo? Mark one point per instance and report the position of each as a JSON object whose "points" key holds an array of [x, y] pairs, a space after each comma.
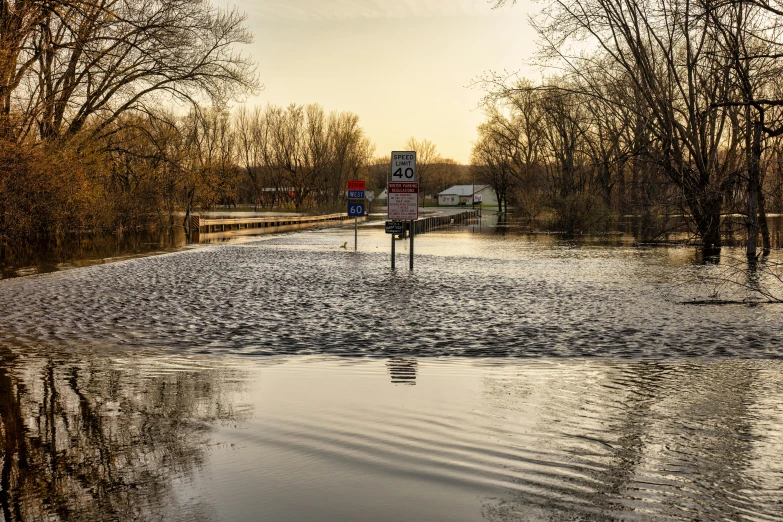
{"points": [[14, 444], [710, 228], [753, 190], [765, 238], [186, 224]]}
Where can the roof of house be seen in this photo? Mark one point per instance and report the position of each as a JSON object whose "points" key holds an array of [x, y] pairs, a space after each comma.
{"points": [[462, 190]]}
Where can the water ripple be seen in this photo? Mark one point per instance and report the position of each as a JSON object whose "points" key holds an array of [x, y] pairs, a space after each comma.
{"points": [[268, 298]]}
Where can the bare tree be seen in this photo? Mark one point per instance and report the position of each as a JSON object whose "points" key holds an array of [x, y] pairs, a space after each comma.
{"points": [[78, 77], [426, 157], [302, 153], [748, 35], [493, 156], [101, 58], [208, 161], [446, 173], [251, 139], [668, 51]]}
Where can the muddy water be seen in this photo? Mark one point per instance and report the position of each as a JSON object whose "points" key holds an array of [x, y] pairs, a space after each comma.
{"points": [[120, 437], [470, 294], [27, 258], [505, 378]]}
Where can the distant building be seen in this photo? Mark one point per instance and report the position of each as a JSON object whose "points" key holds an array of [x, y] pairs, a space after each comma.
{"points": [[381, 199], [461, 195]]}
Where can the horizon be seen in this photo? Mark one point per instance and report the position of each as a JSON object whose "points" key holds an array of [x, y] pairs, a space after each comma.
{"points": [[337, 53]]}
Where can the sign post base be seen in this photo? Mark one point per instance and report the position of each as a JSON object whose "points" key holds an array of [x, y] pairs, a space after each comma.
{"points": [[392, 236], [412, 234]]}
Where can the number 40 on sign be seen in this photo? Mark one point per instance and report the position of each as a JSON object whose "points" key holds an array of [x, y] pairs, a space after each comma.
{"points": [[403, 166]]}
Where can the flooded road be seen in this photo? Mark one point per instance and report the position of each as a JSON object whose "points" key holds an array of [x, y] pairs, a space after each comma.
{"points": [[506, 378], [470, 294]]}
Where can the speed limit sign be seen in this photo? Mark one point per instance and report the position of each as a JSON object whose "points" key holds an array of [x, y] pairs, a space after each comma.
{"points": [[403, 166]]}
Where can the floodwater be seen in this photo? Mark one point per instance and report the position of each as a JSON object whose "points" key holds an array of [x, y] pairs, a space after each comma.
{"points": [[506, 378], [27, 258]]}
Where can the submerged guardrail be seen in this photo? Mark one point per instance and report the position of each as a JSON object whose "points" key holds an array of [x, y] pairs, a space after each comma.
{"points": [[264, 225], [424, 225]]}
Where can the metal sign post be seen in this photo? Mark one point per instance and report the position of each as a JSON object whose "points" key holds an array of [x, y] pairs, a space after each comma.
{"points": [[392, 236], [412, 234], [355, 206], [394, 228], [402, 193], [403, 204]]}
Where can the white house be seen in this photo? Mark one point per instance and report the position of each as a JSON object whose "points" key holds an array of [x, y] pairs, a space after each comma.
{"points": [[460, 195]]}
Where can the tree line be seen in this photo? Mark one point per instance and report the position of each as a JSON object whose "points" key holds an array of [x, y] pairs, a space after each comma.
{"points": [[113, 116], [86, 91], [664, 108]]}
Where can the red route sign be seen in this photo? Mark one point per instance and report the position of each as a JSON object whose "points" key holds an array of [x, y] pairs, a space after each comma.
{"points": [[355, 184]]}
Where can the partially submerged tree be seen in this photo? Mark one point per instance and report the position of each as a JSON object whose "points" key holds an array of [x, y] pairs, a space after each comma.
{"points": [[669, 53], [89, 86], [494, 154]]}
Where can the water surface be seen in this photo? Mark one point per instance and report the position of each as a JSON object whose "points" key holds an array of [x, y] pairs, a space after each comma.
{"points": [[122, 437], [506, 378], [470, 294]]}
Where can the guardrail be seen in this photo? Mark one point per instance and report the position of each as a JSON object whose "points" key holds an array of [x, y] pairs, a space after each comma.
{"points": [[263, 225], [424, 225]]}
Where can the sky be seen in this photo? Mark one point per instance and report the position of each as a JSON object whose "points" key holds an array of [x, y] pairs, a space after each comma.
{"points": [[403, 66]]}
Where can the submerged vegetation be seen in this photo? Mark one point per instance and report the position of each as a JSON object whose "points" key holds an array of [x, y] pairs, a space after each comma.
{"points": [[661, 108], [86, 90]]}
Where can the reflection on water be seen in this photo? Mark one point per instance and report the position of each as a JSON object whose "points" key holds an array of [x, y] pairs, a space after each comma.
{"points": [[27, 258], [689, 441], [20, 259], [99, 439], [168, 438], [402, 370]]}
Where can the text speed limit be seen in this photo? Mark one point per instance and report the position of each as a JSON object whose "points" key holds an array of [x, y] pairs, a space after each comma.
{"points": [[403, 166]]}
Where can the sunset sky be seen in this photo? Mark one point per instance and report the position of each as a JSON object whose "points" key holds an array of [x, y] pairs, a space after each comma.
{"points": [[404, 66]]}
